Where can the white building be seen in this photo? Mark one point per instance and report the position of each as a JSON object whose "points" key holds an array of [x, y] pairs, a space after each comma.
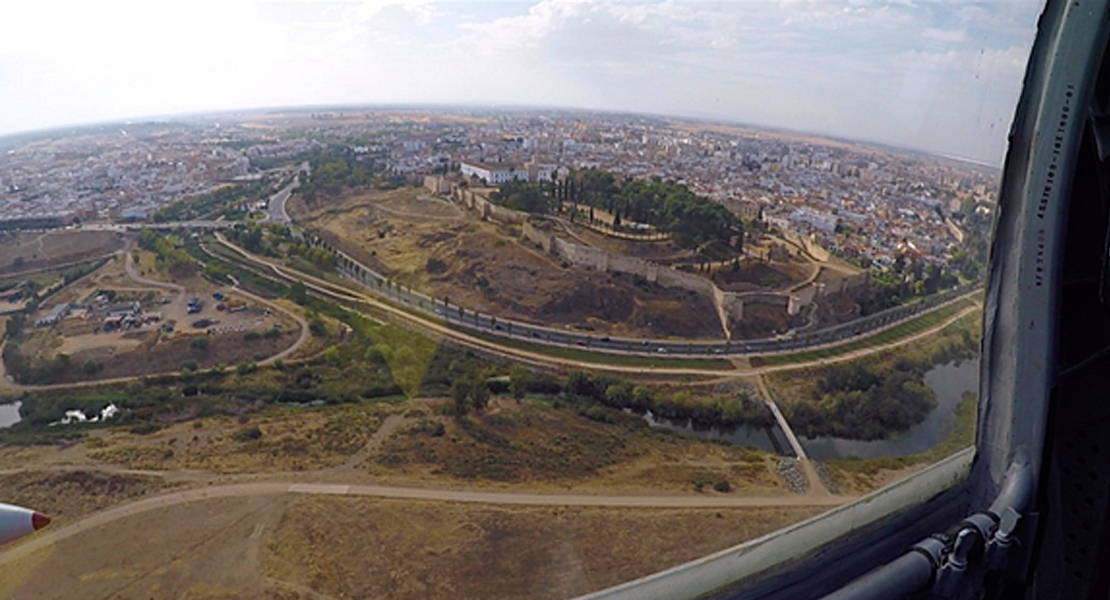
{"points": [[494, 174]]}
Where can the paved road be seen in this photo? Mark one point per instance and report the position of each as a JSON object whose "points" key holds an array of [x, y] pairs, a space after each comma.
{"points": [[465, 318], [441, 329], [526, 356], [238, 490], [275, 210], [122, 227]]}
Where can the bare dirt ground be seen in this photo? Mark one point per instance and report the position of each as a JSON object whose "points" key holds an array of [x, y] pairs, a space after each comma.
{"points": [[36, 250], [89, 341], [201, 550], [528, 446], [452, 551], [478, 520], [760, 275], [293, 440], [486, 267], [534, 444], [308, 547]]}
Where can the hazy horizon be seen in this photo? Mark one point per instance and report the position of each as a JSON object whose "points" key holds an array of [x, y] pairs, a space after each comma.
{"points": [[931, 76]]}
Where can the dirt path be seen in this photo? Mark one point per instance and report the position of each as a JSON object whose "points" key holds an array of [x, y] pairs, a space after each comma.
{"points": [[242, 490], [818, 268], [391, 424], [129, 267], [719, 304], [301, 340]]}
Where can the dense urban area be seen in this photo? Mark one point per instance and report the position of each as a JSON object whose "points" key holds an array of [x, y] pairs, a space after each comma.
{"points": [[452, 320]]}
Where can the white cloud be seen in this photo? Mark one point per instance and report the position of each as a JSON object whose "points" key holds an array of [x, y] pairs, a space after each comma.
{"points": [[937, 75], [947, 36]]}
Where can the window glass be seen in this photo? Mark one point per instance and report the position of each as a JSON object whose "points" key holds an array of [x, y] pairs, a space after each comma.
{"points": [[452, 299]]}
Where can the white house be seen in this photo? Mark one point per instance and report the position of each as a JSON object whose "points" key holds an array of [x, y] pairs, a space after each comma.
{"points": [[494, 174]]}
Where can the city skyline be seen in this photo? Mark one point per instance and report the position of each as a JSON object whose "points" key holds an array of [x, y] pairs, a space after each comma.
{"points": [[937, 77]]}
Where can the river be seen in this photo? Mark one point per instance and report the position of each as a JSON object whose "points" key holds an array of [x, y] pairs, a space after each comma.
{"points": [[948, 381], [768, 440], [9, 414]]}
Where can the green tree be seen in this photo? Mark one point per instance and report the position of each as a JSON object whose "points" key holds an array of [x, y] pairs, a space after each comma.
{"points": [[479, 394], [618, 395], [459, 398], [579, 383], [641, 398], [13, 328], [90, 367], [519, 377]]}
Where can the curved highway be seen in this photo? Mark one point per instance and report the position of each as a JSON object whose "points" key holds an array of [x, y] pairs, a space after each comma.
{"points": [[462, 317], [463, 336], [490, 324]]}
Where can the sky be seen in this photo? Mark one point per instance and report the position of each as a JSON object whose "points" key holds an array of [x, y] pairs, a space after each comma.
{"points": [[937, 76]]}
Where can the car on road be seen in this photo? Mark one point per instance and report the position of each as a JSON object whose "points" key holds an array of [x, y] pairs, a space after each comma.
{"points": [[661, 350]]}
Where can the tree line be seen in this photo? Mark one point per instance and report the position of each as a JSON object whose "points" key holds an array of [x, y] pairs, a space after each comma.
{"points": [[338, 168], [905, 281], [667, 205], [227, 201]]}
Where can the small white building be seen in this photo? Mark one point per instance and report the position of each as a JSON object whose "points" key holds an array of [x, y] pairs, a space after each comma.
{"points": [[56, 314]]}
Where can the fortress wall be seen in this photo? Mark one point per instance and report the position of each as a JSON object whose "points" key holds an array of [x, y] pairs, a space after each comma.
{"points": [[733, 305], [505, 215], [541, 238], [585, 256], [635, 266], [674, 278], [488, 210], [768, 298]]}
